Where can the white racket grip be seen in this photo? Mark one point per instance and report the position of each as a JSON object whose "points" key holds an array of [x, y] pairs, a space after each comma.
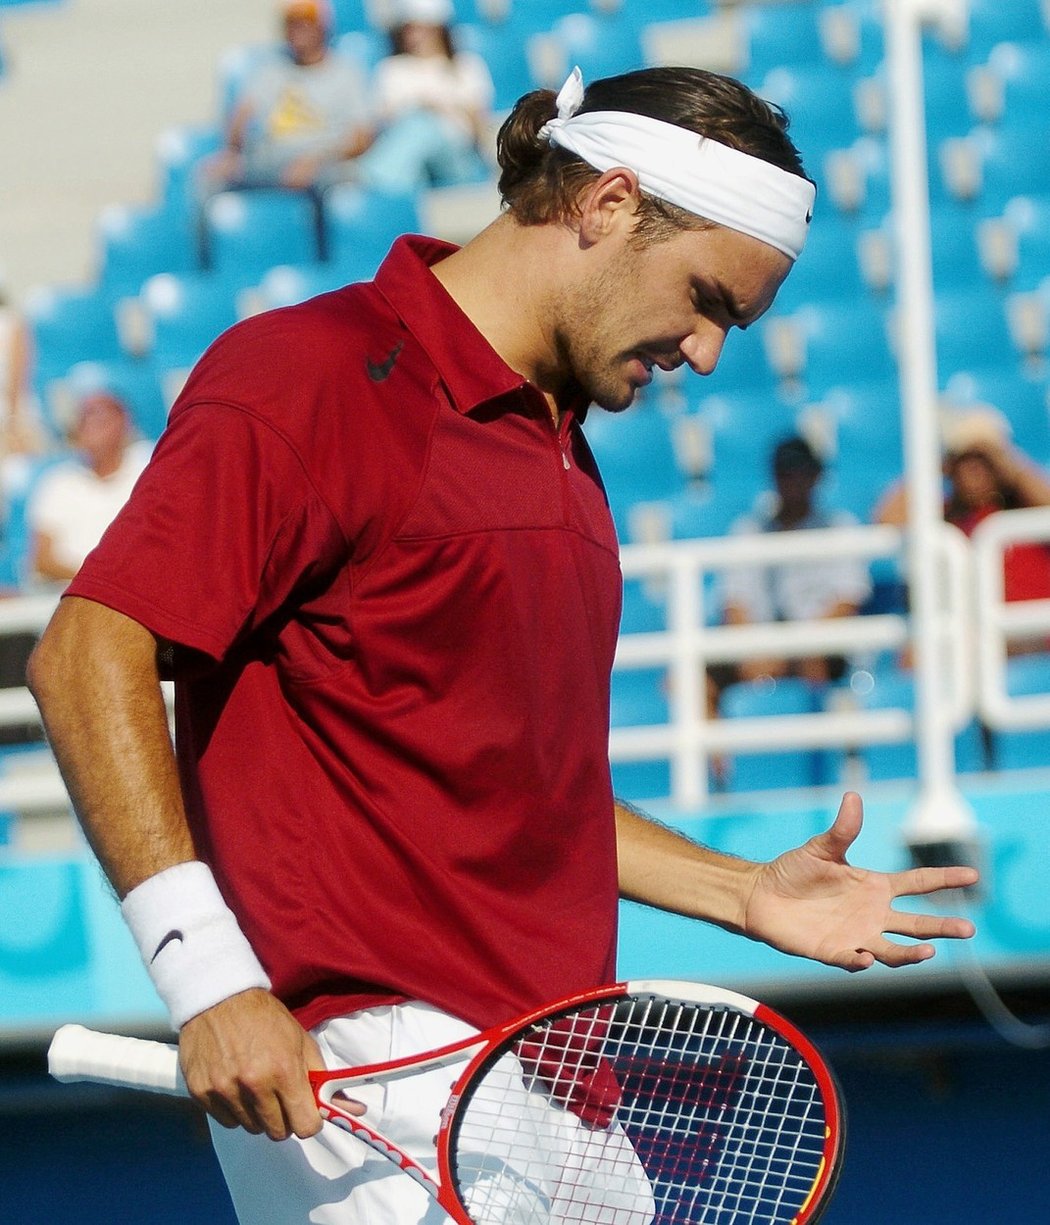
{"points": [[78, 1053]]}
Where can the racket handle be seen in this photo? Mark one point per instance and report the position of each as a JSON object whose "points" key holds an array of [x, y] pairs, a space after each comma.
{"points": [[77, 1053]]}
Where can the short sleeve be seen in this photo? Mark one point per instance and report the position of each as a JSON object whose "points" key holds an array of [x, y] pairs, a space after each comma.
{"points": [[222, 529]]}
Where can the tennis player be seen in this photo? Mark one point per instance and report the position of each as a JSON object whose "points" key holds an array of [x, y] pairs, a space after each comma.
{"points": [[374, 553]]}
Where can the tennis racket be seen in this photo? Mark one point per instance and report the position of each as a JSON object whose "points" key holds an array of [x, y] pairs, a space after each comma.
{"points": [[642, 1103]]}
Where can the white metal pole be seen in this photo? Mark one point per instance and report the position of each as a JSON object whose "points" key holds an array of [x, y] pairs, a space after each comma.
{"points": [[940, 815]]}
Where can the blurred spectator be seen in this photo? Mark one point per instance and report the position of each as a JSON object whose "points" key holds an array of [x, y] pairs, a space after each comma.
{"points": [[791, 591], [432, 105], [20, 430], [985, 472], [301, 116], [74, 502]]}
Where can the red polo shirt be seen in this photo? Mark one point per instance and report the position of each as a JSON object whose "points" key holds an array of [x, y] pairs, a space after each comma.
{"points": [[394, 589]]}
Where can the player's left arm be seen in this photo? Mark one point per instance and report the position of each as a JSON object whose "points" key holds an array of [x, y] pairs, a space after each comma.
{"points": [[809, 901]]}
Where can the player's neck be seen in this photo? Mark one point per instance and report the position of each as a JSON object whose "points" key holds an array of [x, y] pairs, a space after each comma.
{"points": [[501, 281]]}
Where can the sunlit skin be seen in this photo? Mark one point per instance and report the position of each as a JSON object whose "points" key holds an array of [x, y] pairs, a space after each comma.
{"points": [[974, 481], [596, 309], [666, 304], [306, 40]]}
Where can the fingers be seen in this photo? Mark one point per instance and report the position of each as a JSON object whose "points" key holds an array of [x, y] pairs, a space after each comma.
{"points": [[246, 1062], [930, 927], [263, 1103], [916, 881], [846, 826], [919, 927]]}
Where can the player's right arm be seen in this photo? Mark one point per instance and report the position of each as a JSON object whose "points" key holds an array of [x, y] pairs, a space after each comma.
{"points": [[95, 677]]}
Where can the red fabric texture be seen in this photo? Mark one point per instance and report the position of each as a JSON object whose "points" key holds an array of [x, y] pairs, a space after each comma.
{"points": [[393, 587]]}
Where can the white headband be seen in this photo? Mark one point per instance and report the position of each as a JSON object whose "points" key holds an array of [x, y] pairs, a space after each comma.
{"points": [[701, 175]]}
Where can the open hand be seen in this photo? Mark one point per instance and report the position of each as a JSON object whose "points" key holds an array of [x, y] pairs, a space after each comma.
{"points": [[812, 903]]}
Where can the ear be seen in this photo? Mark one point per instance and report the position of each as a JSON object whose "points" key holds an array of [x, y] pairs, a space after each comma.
{"points": [[609, 202]]}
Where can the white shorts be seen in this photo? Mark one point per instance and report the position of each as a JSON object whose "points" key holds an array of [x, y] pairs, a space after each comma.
{"points": [[334, 1178]]}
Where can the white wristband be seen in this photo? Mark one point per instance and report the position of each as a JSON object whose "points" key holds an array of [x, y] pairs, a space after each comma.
{"points": [[190, 940]]}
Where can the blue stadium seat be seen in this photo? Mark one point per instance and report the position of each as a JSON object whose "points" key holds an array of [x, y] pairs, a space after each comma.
{"points": [[893, 689], [971, 329], [780, 34], [829, 267], [767, 770], [350, 15], [818, 99], [1020, 71], [290, 283], [503, 48], [644, 608], [844, 342], [954, 249], [743, 428], [134, 243], [636, 456], [646, 12], [852, 34], [991, 22], [178, 152], [998, 163], [601, 45], [639, 699], [247, 232], [1027, 219], [742, 366], [69, 326], [944, 79], [856, 179], [865, 421], [700, 510], [361, 226], [185, 314]]}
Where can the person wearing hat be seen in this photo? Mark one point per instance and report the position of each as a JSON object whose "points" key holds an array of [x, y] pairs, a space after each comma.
{"points": [[792, 591], [986, 472], [432, 105], [301, 116], [374, 552]]}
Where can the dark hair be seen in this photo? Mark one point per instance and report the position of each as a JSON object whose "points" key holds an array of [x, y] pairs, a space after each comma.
{"points": [[541, 183], [397, 39], [796, 455]]}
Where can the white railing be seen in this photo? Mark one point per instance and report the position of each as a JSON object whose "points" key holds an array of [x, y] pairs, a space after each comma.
{"points": [[973, 628], [689, 738]]}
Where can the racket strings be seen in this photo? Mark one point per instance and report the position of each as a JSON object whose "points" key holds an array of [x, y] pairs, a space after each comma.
{"points": [[641, 1111]]}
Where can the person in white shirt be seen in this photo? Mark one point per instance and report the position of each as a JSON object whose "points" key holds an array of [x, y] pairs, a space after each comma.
{"points": [[793, 591], [75, 501], [432, 105]]}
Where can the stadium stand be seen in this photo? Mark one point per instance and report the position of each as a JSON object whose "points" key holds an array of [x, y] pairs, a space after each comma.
{"points": [[824, 358]]}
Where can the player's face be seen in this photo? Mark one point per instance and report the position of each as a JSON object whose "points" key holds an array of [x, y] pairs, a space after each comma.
{"points": [[665, 304]]}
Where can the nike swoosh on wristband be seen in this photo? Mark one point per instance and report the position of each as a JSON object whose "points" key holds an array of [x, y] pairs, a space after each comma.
{"points": [[172, 935], [378, 371]]}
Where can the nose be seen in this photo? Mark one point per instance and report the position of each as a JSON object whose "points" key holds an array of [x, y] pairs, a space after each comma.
{"points": [[703, 346]]}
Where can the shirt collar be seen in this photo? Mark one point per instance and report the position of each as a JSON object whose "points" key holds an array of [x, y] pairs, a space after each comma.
{"points": [[470, 368]]}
